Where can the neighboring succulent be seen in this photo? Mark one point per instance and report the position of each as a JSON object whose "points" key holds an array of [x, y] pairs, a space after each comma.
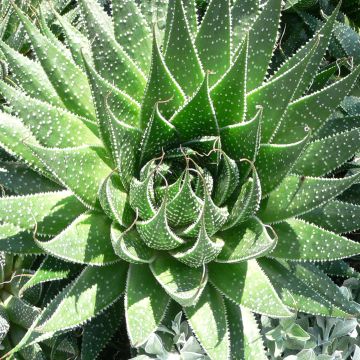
{"points": [[170, 164]]}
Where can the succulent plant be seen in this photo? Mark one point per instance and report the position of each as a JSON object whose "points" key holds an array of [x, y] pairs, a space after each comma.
{"points": [[166, 158]]}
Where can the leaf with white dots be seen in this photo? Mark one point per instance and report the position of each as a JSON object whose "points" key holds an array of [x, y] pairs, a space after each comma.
{"points": [[110, 59], [145, 304], [297, 195], [213, 40], [209, 323], [246, 284], [296, 293], [65, 164], [307, 112], [68, 80], [336, 216], [52, 126], [338, 268], [262, 38], [132, 32], [85, 241], [299, 240], [325, 155], [49, 212], [180, 56], [92, 292], [248, 240], [99, 331], [245, 338], [184, 284]]}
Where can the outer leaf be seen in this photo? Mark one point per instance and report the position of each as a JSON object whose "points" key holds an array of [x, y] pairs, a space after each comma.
{"points": [[30, 76], [307, 108], [132, 32], [145, 304], [298, 195], [184, 284], [49, 212], [298, 240], [197, 117], [337, 216], [325, 155], [85, 241], [209, 322], [338, 268], [280, 157], [213, 40], [245, 338], [99, 331], [248, 240], [110, 60], [91, 293], [73, 90], [64, 164], [130, 247], [181, 57], [161, 87], [336, 125], [262, 38], [298, 294], [229, 93], [52, 126], [51, 269], [246, 284]]}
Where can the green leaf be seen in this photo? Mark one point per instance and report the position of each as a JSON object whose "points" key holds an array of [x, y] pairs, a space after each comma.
{"points": [[275, 95], [338, 268], [307, 112], [51, 269], [157, 137], [64, 164], [325, 155], [298, 240], [183, 283], [336, 125], [14, 240], [229, 93], [99, 331], [324, 35], [20, 312], [49, 212], [336, 216], [180, 56], [243, 15], [298, 195], [209, 322], [21, 180], [132, 32], [281, 157], [67, 79], [296, 293], [145, 304], [197, 117], [162, 87], [248, 240], [110, 59], [325, 74], [91, 293], [85, 241], [129, 246], [247, 203], [114, 200], [156, 232], [245, 338], [30, 76], [246, 284], [213, 40], [262, 38], [52, 126], [242, 140]]}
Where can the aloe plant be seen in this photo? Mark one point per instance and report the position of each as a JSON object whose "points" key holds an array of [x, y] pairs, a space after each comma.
{"points": [[164, 157]]}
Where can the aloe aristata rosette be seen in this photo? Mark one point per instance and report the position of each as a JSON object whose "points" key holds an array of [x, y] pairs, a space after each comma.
{"points": [[162, 156]]}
